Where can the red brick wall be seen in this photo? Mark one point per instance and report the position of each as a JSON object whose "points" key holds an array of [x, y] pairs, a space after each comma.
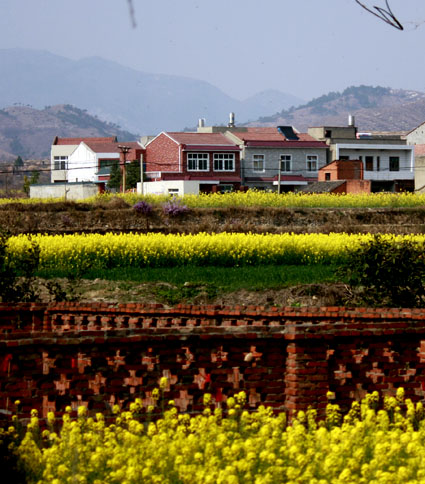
{"points": [[342, 170], [358, 186], [217, 175], [354, 186], [99, 354], [162, 154]]}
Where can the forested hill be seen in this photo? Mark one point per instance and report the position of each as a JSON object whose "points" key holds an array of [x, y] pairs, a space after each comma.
{"points": [[29, 132], [374, 108]]}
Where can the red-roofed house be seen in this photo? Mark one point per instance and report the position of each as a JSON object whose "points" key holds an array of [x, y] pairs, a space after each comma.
{"points": [[281, 156], [88, 159], [182, 163], [60, 151]]}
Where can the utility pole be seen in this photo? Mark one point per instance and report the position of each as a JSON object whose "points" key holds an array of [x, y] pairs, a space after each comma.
{"points": [[279, 176], [124, 150], [141, 172]]}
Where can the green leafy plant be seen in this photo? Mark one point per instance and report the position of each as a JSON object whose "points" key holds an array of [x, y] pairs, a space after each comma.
{"points": [[17, 276], [388, 272]]}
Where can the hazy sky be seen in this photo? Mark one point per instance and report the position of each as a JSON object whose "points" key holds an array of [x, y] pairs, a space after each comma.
{"points": [[303, 47]]}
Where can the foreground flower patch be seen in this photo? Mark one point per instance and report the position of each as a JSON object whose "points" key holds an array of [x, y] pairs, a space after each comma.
{"points": [[231, 446]]}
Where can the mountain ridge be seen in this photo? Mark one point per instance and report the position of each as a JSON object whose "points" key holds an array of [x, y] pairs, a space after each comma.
{"points": [[141, 102], [29, 132], [375, 108]]}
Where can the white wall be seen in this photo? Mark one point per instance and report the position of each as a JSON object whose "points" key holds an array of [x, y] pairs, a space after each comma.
{"points": [[82, 164], [404, 152], [184, 187], [77, 191], [417, 136], [59, 150]]}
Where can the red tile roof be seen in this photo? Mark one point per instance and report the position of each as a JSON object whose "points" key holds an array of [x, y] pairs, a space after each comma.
{"points": [[198, 139], [259, 134], [77, 141], [268, 134], [99, 147]]}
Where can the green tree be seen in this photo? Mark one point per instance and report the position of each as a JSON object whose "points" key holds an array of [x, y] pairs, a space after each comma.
{"points": [[133, 174], [18, 164], [35, 176], [115, 176]]}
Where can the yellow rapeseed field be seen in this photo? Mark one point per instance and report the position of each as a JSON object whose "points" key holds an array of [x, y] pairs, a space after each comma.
{"points": [[82, 251], [231, 446], [254, 198]]}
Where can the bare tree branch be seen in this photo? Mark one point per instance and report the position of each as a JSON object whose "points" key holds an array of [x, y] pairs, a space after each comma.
{"points": [[386, 15], [132, 14]]}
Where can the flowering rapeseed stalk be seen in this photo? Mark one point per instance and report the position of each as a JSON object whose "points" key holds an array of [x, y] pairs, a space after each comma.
{"points": [[253, 198], [367, 446], [95, 251]]}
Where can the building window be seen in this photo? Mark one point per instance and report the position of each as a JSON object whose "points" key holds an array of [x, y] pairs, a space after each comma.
{"points": [[198, 162], [328, 133], [327, 176], [312, 162], [224, 162], [285, 163], [394, 163], [60, 162], [369, 163], [378, 163], [173, 191], [258, 163]]}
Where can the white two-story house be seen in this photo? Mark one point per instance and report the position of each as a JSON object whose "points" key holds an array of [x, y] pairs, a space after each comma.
{"points": [[389, 163], [88, 159]]}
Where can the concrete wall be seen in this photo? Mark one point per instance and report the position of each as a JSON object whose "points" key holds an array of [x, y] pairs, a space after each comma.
{"points": [[405, 154], [165, 187], [102, 354], [59, 150], [324, 133], [70, 191], [420, 173], [417, 136]]}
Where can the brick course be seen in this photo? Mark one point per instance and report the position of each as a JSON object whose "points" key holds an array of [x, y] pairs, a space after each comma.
{"points": [[99, 354]]}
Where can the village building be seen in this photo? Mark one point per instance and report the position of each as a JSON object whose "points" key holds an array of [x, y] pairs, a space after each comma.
{"points": [[388, 161]]}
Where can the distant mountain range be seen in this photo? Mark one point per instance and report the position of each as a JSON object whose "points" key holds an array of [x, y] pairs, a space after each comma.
{"points": [[374, 108], [44, 95], [29, 132], [139, 102]]}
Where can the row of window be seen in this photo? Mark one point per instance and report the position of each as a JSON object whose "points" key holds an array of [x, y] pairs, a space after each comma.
{"points": [[226, 162], [201, 161], [285, 163], [372, 163]]}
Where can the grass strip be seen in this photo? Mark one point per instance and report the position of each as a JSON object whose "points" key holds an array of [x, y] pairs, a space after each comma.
{"points": [[226, 278]]}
